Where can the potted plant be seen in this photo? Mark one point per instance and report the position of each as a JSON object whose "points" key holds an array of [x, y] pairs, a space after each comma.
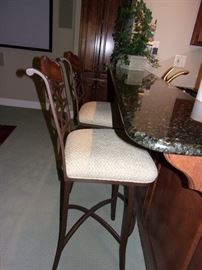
{"points": [[132, 33]]}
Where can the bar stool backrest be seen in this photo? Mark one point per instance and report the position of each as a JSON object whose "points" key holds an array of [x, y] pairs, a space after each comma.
{"points": [[172, 73], [70, 83], [59, 108], [78, 75]]}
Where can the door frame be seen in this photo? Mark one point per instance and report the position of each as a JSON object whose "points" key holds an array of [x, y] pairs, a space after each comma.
{"points": [[76, 29]]}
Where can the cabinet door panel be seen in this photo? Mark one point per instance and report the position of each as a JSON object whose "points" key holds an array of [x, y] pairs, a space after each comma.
{"points": [[197, 33], [96, 44], [107, 43], [95, 88], [90, 33]]}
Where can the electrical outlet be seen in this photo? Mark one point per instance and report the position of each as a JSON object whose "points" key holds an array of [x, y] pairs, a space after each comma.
{"points": [[180, 60]]}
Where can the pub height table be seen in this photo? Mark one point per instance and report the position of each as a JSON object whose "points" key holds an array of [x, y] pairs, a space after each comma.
{"points": [[166, 121]]}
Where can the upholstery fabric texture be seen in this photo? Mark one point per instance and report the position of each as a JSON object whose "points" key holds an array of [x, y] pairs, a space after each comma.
{"points": [[96, 113], [100, 154]]}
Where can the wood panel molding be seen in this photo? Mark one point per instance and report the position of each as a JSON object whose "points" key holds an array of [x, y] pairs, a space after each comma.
{"points": [[197, 33], [191, 166]]}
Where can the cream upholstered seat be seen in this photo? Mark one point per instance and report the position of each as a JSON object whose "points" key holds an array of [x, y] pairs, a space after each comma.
{"points": [[103, 155], [96, 113], [92, 113], [91, 155]]}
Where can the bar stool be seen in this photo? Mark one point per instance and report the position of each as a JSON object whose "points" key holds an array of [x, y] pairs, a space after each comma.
{"points": [[91, 156], [92, 113], [172, 73]]}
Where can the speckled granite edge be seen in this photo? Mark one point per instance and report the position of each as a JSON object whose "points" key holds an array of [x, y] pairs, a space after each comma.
{"points": [[182, 136]]}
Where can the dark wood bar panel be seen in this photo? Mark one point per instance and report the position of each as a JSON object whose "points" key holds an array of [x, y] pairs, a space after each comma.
{"points": [[170, 222]]}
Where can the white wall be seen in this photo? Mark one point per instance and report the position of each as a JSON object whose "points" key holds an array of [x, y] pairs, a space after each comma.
{"points": [[22, 88], [176, 20]]}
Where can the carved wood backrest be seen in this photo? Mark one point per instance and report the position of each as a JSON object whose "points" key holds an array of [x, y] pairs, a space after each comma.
{"points": [[77, 69], [70, 85], [74, 60], [58, 110]]}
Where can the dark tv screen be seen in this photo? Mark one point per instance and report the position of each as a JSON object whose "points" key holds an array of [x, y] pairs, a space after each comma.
{"points": [[26, 24]]}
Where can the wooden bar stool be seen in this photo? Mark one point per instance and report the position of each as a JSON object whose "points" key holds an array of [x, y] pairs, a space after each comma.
{"points": [[91, 156], [92, 113]]}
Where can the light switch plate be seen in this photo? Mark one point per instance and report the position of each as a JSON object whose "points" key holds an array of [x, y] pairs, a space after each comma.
{"points": [[180, 60]]}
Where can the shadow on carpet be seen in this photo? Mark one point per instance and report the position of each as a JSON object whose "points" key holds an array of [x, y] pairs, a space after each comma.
{"points": [[5, 131]]}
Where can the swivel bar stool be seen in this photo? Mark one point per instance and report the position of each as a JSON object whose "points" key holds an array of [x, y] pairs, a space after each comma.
{"points": [[91, 156]]}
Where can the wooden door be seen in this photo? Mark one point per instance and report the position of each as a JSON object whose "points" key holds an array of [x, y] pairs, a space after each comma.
{"points": [[96, 44], [197, 33]]}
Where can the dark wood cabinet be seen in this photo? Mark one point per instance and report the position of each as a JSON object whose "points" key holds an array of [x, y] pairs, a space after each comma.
{"points": [[170, 222], [96, 44], [197, 33]]}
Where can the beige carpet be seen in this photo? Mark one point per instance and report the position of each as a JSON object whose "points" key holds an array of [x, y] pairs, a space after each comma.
{"points": [[29, 206]]}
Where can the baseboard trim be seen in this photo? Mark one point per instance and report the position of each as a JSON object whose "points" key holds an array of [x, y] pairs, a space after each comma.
{"points": [[20, 103], [24, 104]]}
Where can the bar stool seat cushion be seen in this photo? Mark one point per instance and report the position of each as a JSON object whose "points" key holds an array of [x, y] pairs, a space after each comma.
{"points": [[96, 113], [99, 154]]}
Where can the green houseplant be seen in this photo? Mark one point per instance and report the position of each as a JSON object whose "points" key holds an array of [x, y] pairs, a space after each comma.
{"points": [[132, 33]]}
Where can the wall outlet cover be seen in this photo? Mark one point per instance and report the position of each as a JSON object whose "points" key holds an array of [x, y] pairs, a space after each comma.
{"points": [[180, 61]]}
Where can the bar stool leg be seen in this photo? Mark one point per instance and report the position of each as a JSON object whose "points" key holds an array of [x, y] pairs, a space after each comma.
{"points": [[115, 189], [65, 189], [127, 224]]}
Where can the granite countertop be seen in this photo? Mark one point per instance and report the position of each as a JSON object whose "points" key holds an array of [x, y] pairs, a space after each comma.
{"points": [[158, 116]]}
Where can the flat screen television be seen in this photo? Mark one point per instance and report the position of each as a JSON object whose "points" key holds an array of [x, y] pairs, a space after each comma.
{"points": [[26, 24]]}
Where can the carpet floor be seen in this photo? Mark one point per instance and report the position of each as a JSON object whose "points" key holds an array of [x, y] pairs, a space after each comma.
{"points": [[29, 206]]}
